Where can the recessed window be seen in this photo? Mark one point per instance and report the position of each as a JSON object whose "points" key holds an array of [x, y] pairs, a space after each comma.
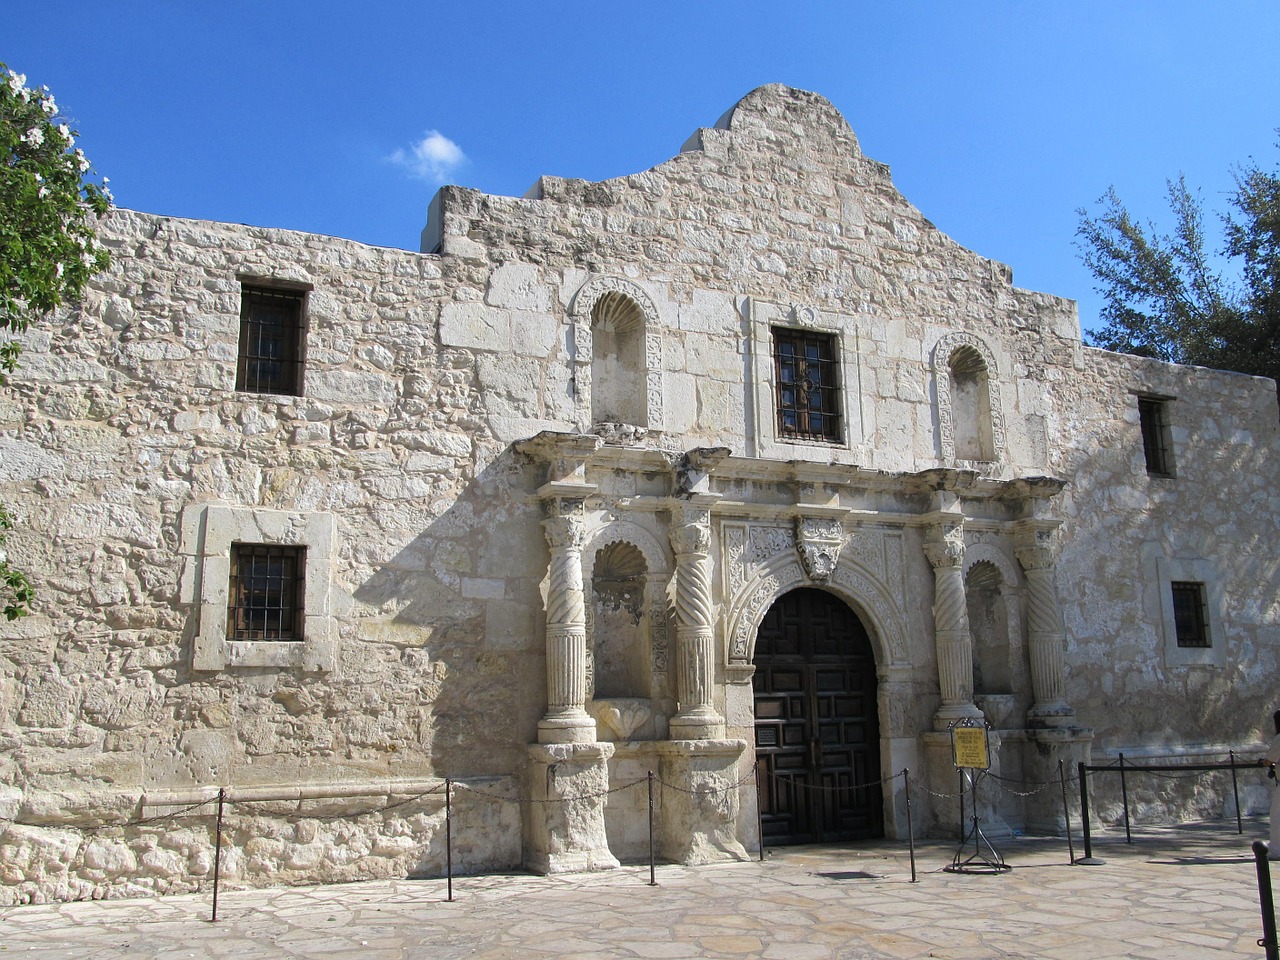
{"points": [[1157, 444], [807, 376], [265, 596], [1189, 619], [271, 341]]}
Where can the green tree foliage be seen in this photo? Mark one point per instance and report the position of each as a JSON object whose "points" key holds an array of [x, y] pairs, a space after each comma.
{"points": [[1164, 296], [48, 246]]}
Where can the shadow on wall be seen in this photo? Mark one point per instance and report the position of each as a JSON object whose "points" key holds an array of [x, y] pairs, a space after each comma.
{"points": [[460, 607]]}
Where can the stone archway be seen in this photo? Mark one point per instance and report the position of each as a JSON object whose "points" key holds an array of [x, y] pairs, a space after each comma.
{"points": [[816, 722]]}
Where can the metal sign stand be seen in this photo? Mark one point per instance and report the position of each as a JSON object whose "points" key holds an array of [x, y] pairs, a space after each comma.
{"points": [[971, 754]]}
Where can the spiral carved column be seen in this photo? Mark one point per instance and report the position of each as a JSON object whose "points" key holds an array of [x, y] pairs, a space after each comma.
{"points": [[1046, 637], [696, 718], [945, 550], [566, 719]]}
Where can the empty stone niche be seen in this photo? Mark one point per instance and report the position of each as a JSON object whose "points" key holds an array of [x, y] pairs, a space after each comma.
{"points": [[989, 627], [971, 405], [617, 361], [620, 649]]}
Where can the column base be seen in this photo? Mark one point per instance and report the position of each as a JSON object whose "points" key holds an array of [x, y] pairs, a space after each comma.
{"points": [[949, 713], [1056, 714], [696, 726], [700, 807], [572, 727], [568, 784]]}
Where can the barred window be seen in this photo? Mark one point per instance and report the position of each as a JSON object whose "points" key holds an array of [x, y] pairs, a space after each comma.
{"points": [[271, 341], [1190, 622], [808, 385], [265, 599], [1157, 444]]}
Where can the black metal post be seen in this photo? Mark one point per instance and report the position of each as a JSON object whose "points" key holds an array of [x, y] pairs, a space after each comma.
{"points": [[911, 833], [448, 834], [963, 834], [1066, 813], [1235, 789], [759, 806], [217, 854], [1084, 810], [1124, 799], [1265, 901], [652, 880]]}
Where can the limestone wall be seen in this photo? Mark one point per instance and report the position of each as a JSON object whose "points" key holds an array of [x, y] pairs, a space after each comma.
{"points": [[123, 428]]}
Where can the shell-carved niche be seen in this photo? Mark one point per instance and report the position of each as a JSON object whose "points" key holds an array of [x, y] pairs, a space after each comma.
{"points": [[617, 357], [970, 413]]}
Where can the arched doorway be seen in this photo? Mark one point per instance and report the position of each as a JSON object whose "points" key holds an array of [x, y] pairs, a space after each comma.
{"points": [[816, 730]]}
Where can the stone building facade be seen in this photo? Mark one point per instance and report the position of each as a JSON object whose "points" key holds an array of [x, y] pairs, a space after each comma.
{"points": [[735, 460]]}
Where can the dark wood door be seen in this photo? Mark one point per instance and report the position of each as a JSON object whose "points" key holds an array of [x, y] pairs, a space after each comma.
{"points": [[817, 737]]}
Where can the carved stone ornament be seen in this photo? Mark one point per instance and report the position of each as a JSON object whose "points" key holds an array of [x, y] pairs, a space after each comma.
{"points": [[819, 541], [945, 546]]}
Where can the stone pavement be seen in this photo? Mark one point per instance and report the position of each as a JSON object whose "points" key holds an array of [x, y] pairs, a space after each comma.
{"points": [[1189, 893]]}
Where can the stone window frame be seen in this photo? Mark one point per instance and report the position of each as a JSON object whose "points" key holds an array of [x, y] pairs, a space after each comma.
{"points": [[940, 361], [253, 283], [764, 317], [208, 533], [1190, 570], [581, 310]]}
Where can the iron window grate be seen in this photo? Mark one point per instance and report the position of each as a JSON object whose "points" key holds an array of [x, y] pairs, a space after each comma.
{"points": [[265, 596], [1189, 620], [808, 385], [1153, 414], [271, 331]]}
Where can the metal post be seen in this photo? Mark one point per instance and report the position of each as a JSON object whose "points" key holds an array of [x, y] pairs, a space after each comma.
{"points": [[911, 833], [1265, 901], [1124, 798], [217, 854], [652, 880], [1066, 813], [448, 834], [1235, 789], [1088, 858], [963, 833], [759, 815]]}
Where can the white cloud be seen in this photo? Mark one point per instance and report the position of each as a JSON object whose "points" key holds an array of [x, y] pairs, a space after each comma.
{"points": [[433, 158]]}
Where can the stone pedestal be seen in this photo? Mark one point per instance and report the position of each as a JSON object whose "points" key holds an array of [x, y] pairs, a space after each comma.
{"points": [[945, 778], [568, 784], [700, 807], [1045, 747]]}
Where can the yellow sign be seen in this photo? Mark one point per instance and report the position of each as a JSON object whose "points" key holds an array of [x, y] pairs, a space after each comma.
{"points": [[969, 747]]}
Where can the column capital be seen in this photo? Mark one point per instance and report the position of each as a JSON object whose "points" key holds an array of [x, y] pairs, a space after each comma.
{"points": [[691, 529], [1034, 544], [944, 544]]}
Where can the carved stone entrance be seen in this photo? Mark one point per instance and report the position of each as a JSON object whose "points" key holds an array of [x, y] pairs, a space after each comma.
{"points": [[816, 729]]}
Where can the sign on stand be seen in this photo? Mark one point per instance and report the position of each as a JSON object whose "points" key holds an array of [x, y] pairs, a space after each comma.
{"points": [[969, 747], [971, 753]]}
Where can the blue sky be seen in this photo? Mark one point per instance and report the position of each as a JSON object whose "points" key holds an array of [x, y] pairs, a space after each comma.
{"points": [[998, 119]]}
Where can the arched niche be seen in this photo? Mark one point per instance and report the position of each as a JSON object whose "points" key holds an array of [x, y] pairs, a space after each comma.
{"points": [[970, 415], [993, 597], [620, 635], [617, 354]]}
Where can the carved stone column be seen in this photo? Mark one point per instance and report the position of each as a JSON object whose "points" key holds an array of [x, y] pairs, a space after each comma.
{"points": [[1046, 638], [696, 718], [566, 719], [944, 546]]}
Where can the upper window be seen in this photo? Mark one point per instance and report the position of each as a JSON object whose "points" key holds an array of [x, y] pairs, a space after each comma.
{"points": [[1191, 625], [266, 595], [271, 341], [807, 377], [1157, 444]]}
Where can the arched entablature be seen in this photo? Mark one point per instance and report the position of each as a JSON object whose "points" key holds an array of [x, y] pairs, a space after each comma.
{"points": [[976, 553], [957, 360], [857, 587], [623, 313]]}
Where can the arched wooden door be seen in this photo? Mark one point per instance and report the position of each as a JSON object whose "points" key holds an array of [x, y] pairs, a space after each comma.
{"points": [[817, 733]]}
